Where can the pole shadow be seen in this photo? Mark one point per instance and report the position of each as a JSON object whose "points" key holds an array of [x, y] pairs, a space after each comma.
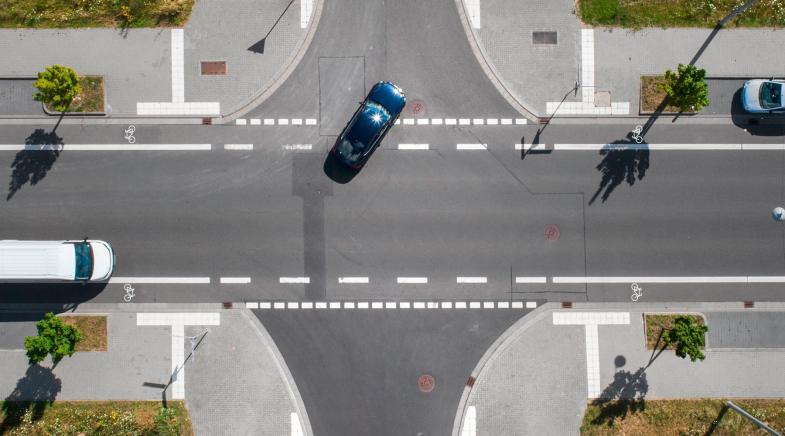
{"points": [[33, 394], [33, 163], [258, 47]]}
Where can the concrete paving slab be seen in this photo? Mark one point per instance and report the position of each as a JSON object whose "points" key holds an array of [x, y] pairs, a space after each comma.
{"points": [[16, 97], [746, 330]]}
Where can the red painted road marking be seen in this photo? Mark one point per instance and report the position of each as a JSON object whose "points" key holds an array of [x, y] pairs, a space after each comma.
{"points": [[551, 232], [426, 383]]}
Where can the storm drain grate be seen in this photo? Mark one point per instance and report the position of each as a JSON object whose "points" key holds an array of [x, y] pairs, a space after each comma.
{"points": [[544, 38], [213, 68]]}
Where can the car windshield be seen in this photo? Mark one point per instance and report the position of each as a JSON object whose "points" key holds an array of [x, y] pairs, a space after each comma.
{"points": [[770, 95], [351, 151], [84, 260]]}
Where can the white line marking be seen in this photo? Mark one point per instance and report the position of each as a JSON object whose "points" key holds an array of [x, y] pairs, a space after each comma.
{"points": [[265, 305], [766, 279], [256, 122], [518, 304], [298, 146], [474, 305], [292, 305], [478, 121], [419, 305], [238, 146], [305, 280], [297, 121], [362, 305], [436, 121], [464, 121], [398, 121], [530, 280], [306, 7], [531, 304], [506, 121], [279, 305], [412, 279], [412, 146], [241, 121], [269, 122], [520, 121], [472, 146], [503, 304], [306, 305], [487, 305], [162, 280], [446, 304], [283, 121], [235, 280], [423, 121], [296, 429], [460, 305], [251, 305], [450, 121], [352, 279], [681, 279], [348, 305], [335, 305], [310, 121], [473, 11], [321, 305], [390, 305], [107, 147], [405, 305], [472, 279], [408, 121], [377, 305], [492, 121], [178, 71]]}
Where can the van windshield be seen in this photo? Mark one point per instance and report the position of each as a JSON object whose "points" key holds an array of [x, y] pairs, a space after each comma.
{"points": [[84, 260]]}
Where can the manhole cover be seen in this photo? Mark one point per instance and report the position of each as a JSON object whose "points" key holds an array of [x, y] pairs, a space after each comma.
{"points": [[551, 232], [417, 108], [544, 38], [213, 68], [426, 383]]}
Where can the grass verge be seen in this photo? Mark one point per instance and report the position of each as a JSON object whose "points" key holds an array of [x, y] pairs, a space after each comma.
{"points": [[680, 417], [656, 323], [94, 418], [652, 96], [679, 13], [91, 99], [94, 13], [93, 327]]}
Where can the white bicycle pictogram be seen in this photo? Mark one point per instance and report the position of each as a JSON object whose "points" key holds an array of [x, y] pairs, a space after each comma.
{"points": [[636, 134], [637, 292], [129, 293], [129, 134]]}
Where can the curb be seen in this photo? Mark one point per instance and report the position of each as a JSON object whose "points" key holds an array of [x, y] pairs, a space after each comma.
{"points": [[282, 75], [283, 369], [488, 68]]}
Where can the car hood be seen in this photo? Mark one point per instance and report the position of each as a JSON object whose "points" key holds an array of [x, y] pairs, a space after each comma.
{"points": [[103, 260], [750, 94]]}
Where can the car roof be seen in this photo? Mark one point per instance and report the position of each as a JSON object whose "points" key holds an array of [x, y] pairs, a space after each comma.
{"points": [[388, 95]]}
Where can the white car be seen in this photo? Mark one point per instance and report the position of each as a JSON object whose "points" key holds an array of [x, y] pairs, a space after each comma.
{"points": [[35, 261], [763, 96]]}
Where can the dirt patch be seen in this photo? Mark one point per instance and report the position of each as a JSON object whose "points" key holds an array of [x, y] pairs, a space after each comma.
{"points": [[656, 324], [93, 328]]}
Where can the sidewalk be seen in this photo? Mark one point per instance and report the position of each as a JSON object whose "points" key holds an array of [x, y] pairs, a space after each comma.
{"points": [[539, 376], [539, 71], [235, 384], [157, 72]]}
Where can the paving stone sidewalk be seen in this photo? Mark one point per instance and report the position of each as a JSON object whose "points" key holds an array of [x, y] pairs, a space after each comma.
{"points": [[137, 64], [535, 74], [236, 384], [536, 382]]}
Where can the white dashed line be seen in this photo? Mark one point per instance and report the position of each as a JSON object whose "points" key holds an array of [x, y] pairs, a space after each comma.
{"points": [[413, 146], [408, 121], [474, 305], [460, 305], [235, 280], [283, 121], [297, 121], [335, 305], [162, 280], [304, 280], [506, 121], [310, 121], [423, 121], [241, 121], [450, 121], [376, 305], [346, 280], [264, 305], [321, 305], [256, 121], [478, 121], [520, 121], [107, 147], [472, 279], [464, 121], [419, 305], [362, 305], [269, 122], [492, 121], [306, 305], [530, 280], [293, 305], [238, 146], [682, 279], [279, 305], [436, 121], [412, 280], [298, 146], [472, 146]]}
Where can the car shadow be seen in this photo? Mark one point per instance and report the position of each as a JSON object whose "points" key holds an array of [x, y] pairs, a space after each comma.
{"points": [[756, 124], [337, 171], [61, 296]]}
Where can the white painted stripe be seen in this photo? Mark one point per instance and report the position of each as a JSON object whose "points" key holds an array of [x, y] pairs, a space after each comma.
{"points": [[763, 147], [377, 305], [362, 305], [419, 305], [292, 305], [472, 279], [413, 146], [473, 12], [464, 121], [518, 304], [478, 121], [107, 147], [405, 305], [305, 280], [408, 121], [335, 305], [433, 305], [269, 121], [446, 304], [238, 146], [469, 427], [162, 280], [296, 429], [530, 280], [474, 305], [182, 108], [472, 146], [283, 121], [298, 146], [520, 121], [503, 304], [306, 7], [398, 121], [241, 121], [766, 279], [348, 305], [492, 121], [487, 304], [297, 121], [423, 121], [306, 305], [436, 121], [251, 305], [460, 305], [531, 304], [450, 121], [506, 121], [178, 70], [256, 122], [235, 280], [310, 121], [681, 279], [390, 305], [265, 305], [352, 279], [412, 279], [321, 305], [279, 305]]}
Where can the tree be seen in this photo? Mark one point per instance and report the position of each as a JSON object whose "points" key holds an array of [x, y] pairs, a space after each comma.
{"points": [[688, 336], [687, 89], [54, 337], [57, 85]]}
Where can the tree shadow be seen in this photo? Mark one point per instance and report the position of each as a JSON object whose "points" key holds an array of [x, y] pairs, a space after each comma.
{"points": [[625, 395], [33, 163], [623, 161], [34, 392]]}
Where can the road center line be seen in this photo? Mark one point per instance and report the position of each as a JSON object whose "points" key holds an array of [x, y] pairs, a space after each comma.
{"points": [[298, 146], [530, 280], [105, 147], [235, 280], [352, 279], [161, 280], [412, 279], [305, 280], [238, 146], [679, 279], [472, 146], [472, 279], [412, 146]]}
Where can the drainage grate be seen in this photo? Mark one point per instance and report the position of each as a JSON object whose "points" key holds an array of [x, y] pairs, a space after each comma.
{"points": [[544, 38], [213, 68]]}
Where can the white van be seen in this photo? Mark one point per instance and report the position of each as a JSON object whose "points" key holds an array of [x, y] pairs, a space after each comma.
{"points": [[34, 261]]}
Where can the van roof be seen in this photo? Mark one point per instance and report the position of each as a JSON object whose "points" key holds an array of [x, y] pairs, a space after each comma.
{"points": [[37, 259]]}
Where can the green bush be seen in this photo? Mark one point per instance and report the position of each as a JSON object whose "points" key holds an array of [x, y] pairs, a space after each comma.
{"points": [[688, 337], [687, 89], [57, 86], [54, 337]]}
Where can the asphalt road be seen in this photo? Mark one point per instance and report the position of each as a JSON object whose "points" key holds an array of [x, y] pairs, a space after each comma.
{"points": [[359, 379]]}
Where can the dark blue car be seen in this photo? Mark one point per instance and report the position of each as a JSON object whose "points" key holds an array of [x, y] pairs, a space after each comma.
{"points": [[369, 124]]}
